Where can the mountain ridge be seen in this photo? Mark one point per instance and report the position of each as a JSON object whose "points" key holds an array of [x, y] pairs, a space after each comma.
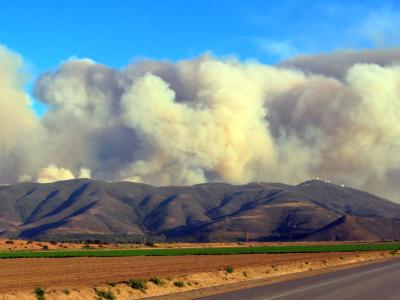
{"points": [[311, 210]]}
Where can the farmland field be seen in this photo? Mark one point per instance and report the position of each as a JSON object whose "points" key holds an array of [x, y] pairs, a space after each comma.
{"points": [[81, 274], [204, 251]]}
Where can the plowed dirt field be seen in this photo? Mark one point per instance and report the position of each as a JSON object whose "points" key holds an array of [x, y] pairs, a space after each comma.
{"points": [[26, 274]]}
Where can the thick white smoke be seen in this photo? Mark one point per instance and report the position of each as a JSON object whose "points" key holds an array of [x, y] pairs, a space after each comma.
{"points": [[53, 173], [207, 119], [20, 130]]}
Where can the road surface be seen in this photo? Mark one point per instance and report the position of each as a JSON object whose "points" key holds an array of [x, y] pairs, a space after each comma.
{"points": [[369, 282]]}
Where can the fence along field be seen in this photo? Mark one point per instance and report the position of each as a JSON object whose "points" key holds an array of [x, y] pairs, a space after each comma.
{"points": [[203, 251]]}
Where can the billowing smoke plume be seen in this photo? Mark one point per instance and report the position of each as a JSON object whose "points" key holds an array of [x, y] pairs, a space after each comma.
{"points": [[208, 119], [53, 173], [20, 130]]}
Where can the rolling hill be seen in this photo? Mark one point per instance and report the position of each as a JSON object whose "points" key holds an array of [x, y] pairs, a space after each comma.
{"points": [[89, 209]]}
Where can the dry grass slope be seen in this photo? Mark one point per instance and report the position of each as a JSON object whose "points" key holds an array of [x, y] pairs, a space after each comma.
{"points": [[88, 209]]}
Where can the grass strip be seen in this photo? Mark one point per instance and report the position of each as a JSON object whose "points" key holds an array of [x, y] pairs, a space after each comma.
{"points": [[203, 251]]}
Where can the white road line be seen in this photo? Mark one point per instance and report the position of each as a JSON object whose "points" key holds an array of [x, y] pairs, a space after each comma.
{"points": [[330, 282]]}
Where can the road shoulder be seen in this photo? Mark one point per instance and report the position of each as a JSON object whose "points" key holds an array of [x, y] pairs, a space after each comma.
{"points": [[221, 289]]}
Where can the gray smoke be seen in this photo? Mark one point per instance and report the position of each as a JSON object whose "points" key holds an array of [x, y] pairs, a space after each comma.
{"points": [[335, 116]]}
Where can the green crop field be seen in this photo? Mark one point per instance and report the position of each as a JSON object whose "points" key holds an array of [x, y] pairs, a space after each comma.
{"points": [[203, 251]]}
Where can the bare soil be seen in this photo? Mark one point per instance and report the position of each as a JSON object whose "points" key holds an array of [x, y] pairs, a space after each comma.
{"points": [[19, 277], [20, 274]]}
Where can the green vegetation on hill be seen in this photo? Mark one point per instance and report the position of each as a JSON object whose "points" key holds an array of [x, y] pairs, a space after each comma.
{"points": [[204, 251]]}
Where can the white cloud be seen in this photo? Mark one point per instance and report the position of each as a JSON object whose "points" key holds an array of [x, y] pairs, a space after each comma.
{"points": [[381, 28], [278, 49]]}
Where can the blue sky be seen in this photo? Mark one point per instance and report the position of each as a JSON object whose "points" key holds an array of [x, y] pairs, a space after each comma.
{"points": [[117, 32]]}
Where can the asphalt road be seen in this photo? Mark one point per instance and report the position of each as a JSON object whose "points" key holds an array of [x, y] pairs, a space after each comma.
{"points": [[369, 282]]}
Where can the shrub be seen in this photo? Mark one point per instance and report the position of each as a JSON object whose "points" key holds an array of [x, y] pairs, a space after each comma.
{"points": [[87, 247], [39, 292], [9, 242], [157, 281], [150, 244], [138, 284], [45, 247], [109, 295], [66, 291], [179, 284], [229, 269]]}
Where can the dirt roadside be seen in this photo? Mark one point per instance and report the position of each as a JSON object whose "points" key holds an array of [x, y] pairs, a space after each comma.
{"points": [[16, 245], [230, 287], [19, 277]]}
